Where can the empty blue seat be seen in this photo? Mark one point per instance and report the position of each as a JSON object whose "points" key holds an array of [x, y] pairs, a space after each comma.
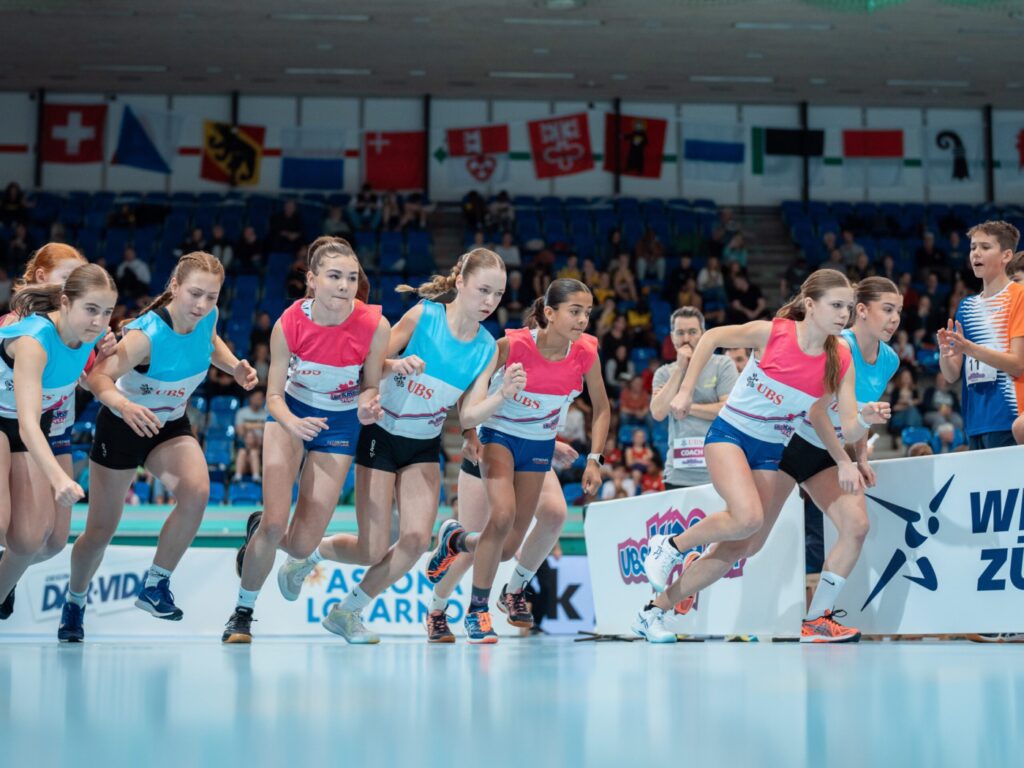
{"points": [[245, 492], [913, 435]]}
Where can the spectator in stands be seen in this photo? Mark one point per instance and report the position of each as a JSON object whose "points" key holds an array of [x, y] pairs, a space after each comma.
{"points": [[623, 279], [958, 253], [639, 454], [794, 277], [746, 300], [905, 399], [14, 208], [688, 296], [1015, 269], [250, 420], [541, 278], [286, 229], [509, 251], [612, 454], [261, 362], [133, 276], [221, 247], [850, 248], [678, 276], [919, 449], [58, 234], [614, 246], [295, 283], [887, 268], [929, 257], [19, 247], [647, 375], [604, 319], [740, 356], [634, 403], [261, 330], [516, 299], [650, 257], [638, 319], [336, 225], [604, 291], [589, 274], [828, 242], [946, 434], [414, 212], [474, 210], [501, 214], [573, 429], [391, 212], [365, 211], [711, 282], [905, 348], [6, 287], [122, 218], [196, 241], [618, 370], [249, 253], [735, 251], [618, 334], [908, 292], [571, 270], [960, 292], [619, 486], [652, 481], [941, 405], [924, 322], [835, 261], [860, 269]]}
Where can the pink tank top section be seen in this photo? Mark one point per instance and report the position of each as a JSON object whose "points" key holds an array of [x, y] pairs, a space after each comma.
{"points": [[326, 361], [774, 392]]}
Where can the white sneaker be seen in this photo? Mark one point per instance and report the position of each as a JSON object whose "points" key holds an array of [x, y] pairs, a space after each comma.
{"points": [[349, 625], [649, 624], [291, 575], [661, 558]]}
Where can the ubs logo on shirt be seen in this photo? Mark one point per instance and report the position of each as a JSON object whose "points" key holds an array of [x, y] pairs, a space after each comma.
{"points": [[526, 401], [769, 394]]}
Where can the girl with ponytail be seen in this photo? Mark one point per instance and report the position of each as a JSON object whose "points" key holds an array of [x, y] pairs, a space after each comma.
{"points": [[163, 355], [42, 357], [323, 393], [802, 362], [518, 441], [436, 352]]}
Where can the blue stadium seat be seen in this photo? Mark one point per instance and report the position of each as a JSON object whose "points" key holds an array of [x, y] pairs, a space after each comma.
{"points": [[218, 453], [913, 435], [573, 492], [218, 494], [245, 492]]}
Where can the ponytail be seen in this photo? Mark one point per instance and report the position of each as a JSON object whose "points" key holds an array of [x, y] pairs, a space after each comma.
{"points": [[35, 298], [440, 286], [187, 264], [833, 364], [534, 317], [813, 288], [556, 295]]}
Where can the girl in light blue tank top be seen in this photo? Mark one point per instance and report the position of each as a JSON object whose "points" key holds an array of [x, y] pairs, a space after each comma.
{"points": [[437, 352], [144, 388], [42, 357]]}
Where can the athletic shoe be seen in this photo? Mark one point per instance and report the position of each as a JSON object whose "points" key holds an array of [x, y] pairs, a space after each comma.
{"points": [[444, 555], [825, 629], [291, 575], [1001, 637], [250, 528], [7, 606], [71, 629], [661, 560], [239, 627], [513, 605], [479, 630], [437, 628], [159, 602], [349, 624], [649, 624]]}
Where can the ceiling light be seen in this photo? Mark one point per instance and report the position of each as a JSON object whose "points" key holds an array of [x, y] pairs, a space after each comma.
{"points": [[817, 81], [900, 83], [325, 46], [417, 73], [559, 5], [764, 79], [139, 68], [553, 22], [755, 55], [326, 71], [620, 77], [534, 75], [783, 26], [352, 17]]}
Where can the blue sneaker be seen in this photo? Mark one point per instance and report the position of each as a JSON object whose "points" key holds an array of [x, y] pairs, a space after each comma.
{"points": [[158, 601], [71, 620], [478, 628], [444, 555]]}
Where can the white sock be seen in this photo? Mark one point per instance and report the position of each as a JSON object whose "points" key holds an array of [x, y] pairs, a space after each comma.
{"points": [[437, 603], [520, 578], [356, 600], [825, 595], [155, 574], [247, 597], [315, 558], [78, 598]]}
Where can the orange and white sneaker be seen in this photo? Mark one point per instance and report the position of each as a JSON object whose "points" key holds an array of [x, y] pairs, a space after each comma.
{"points": [[825, 629]]}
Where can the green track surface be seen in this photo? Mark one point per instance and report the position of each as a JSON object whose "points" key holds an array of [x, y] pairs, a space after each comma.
{"points": [[225, 526]]}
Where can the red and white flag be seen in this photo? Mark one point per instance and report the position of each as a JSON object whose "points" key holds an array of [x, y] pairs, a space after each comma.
{"points": [[73, 133], [478, 155], [561, 146], [395, 159]]}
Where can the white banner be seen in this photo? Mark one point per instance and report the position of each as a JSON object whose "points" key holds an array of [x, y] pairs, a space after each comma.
{"points": [[945, 553], [205, 588], [764, 595]]}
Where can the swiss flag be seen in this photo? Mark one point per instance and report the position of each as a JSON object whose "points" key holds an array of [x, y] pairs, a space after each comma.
{"points": [[561, 146], [873, 143], [73, 133], [488, 140], [395, 159]]}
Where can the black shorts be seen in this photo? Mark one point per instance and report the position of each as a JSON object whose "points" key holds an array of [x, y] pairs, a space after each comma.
{"points": [[674, 487], [471, 469], [801, 460], [379, 449], [116, 446], [10, 428]]}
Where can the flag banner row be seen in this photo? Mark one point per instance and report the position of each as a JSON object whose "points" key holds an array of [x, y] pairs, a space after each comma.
{"points": [[634, 146]]}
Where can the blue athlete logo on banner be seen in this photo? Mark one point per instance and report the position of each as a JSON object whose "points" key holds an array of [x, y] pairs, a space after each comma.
{"points": [[914, 539]]}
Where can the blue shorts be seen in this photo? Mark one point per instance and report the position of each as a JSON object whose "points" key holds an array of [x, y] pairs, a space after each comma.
{"points": [[986, 440], [342, 431], [760, 453], [528, 455], [60, 444]]}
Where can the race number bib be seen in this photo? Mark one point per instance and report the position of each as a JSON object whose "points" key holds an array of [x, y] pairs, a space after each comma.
{"points": [[688, 453], [979, 372]]}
